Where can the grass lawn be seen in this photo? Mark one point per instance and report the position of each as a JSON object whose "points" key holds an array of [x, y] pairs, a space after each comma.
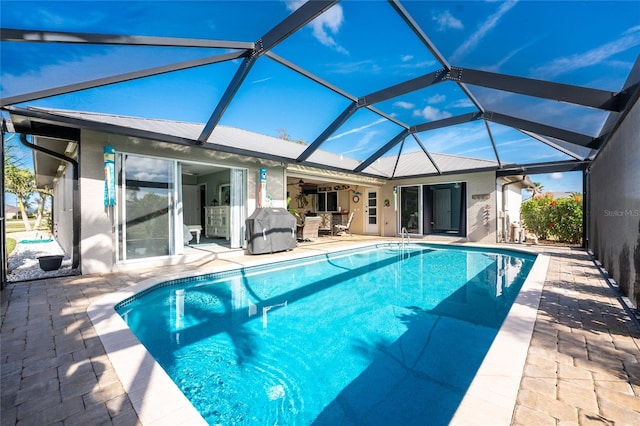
{"points": [[11, 245], [16, 225]]}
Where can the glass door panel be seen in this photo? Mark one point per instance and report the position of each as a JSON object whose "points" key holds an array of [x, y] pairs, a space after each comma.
{"points": [[371, 224], [444, 209], [147, 214], [409, 209]]}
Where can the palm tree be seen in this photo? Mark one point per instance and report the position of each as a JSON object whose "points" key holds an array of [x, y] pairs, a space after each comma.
{"points": [[536, 189], [20, 182], [41, 202]]}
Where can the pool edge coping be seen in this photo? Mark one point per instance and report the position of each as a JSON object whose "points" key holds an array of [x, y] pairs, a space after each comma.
{"points": [[158, 400], [492, 395]]}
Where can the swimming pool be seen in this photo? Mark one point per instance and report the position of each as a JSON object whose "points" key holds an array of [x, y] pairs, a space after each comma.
{"points": [[372, 336]]}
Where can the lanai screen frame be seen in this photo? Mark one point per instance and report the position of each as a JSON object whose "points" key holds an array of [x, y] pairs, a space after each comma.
{"points": [[248, 52]]}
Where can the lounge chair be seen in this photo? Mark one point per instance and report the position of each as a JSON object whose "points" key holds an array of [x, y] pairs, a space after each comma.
{"points": [[344, 229], [309, 230]]}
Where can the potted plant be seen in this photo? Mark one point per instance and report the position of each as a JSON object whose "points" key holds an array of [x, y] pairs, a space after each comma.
{"points": [[293, 211], [50, 262]]}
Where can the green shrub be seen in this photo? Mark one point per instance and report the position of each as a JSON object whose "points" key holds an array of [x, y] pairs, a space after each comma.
{"points": [[534, 215], [565, 219], [559, 219]]}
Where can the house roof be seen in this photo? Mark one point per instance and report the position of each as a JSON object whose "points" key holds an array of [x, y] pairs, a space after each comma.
{"points": [[9, 209], [382, 89], [238, 141]]}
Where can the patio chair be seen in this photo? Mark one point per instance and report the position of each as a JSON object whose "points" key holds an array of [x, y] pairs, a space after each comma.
{"points": [[325, 223], [309, 230], [344, 229]]}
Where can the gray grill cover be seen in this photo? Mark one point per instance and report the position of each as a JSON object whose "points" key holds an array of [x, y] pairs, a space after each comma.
{"points": [[270, 230]]}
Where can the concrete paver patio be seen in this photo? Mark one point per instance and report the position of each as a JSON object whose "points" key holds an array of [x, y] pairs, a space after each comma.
{"points": [[583, 363]]}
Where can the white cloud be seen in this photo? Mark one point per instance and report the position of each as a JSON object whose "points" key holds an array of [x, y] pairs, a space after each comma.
{"points": [[507, 143], [629, 39], [325, 25], [410, 62], [462, 103], [556, 175], [358, 129], [447, 21], [430, 113], [417, 65], [496, 67], [458, 140], [403, 105], [363, 67], [473, 152], [632, 30], [293, 5], [487, 26], [364, 144], [436, 99]]}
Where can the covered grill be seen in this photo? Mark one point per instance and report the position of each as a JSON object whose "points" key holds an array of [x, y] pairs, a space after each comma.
{"points": [[269, 230]]}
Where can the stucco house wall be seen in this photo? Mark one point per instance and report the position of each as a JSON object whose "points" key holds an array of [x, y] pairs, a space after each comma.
{"points": [[480, 195], [614, 205], [97, 231], [97, 248]]}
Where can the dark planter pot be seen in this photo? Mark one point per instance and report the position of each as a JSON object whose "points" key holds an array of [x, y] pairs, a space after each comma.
{"points": [[50, 263]]}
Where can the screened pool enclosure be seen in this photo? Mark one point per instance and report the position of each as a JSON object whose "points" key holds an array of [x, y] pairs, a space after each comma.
{"points": [[384, 89]]}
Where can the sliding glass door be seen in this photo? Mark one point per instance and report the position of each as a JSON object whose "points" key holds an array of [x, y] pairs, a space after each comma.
{"points": [[445, 209], [433, 209], [158, 198], [146, 199]]}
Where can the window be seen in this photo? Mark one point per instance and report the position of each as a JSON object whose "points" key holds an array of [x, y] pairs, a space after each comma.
{"points": [[328, 201]]}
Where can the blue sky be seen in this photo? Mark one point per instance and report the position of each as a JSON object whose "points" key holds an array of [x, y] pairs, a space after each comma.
{"points": [[359, 46]]}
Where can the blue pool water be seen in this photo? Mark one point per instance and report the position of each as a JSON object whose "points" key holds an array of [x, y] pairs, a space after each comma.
{"points": [[376, 336]]}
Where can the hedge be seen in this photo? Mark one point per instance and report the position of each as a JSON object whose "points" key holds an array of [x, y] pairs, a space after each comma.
{"points": [[559, 219]]}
